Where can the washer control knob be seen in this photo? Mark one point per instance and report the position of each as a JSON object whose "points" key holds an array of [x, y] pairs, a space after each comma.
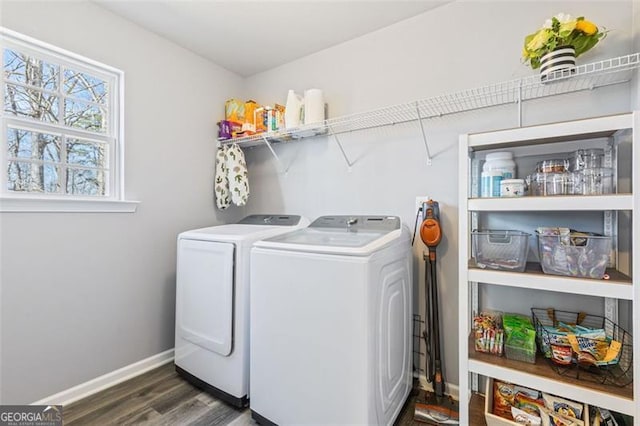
{"points": [[352, 221]]}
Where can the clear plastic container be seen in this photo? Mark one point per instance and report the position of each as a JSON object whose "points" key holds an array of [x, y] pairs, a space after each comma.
{"points": [[594, 181], [586, 159], [585, 256], [552, 166], [559, 184], [501, 249], [544, 184]]}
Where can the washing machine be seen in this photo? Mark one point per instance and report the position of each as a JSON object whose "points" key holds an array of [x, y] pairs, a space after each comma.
{"points": [[212, 303], [331, 323]]}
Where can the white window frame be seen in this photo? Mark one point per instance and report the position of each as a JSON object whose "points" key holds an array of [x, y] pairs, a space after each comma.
{"points": [[113, 200]]}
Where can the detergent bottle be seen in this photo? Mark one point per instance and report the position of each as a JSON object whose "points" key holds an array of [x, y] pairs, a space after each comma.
{"points": [[293, 110]]}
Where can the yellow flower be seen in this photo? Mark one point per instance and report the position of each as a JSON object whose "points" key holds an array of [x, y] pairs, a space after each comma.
{"points": [[539, 40], [589, 28]]}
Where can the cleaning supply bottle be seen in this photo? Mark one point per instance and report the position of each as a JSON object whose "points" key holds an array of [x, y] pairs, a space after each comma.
{"points": [[293, 110]]}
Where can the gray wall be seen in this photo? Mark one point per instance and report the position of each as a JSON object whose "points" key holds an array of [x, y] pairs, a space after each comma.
{"points": [[457, 46], [86, 294]]}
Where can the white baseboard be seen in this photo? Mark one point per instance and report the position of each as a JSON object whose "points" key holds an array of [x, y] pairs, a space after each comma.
{"points": [[449, 388], [103, 382]]}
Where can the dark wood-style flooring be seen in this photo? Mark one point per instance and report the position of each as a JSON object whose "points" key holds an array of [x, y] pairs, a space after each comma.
{"points": [[161, 397]]}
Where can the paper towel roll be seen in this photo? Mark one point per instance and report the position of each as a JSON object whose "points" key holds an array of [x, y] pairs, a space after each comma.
{"points": [[313, 106]]}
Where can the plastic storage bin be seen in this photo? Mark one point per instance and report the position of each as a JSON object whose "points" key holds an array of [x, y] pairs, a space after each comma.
{"points": [[520, 342], [558, 348], [595, 181], [501, 249], [586, 159], [563, 253], [488, 333], [546, 184], [521, 346]]}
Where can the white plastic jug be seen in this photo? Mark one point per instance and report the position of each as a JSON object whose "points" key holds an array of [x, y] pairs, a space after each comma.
{"points": [[293, 110]]}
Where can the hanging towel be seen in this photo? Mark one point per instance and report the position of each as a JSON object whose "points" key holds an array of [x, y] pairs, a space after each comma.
{"points": [[221, 184], [237, 175]]}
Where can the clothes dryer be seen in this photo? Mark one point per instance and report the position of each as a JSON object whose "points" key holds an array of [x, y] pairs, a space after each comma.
{"points": [[331, 323], [212, 303]]}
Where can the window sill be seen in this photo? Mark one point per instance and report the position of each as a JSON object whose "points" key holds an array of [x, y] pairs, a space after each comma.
{"points": [[61, 205]]}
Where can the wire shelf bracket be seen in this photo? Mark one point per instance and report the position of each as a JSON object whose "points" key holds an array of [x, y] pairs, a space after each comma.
{"points": [[424, 136], [344, 154], [265, 139]]}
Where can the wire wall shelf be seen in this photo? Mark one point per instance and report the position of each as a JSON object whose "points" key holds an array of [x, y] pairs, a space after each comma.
{"points": [[584, 77]]}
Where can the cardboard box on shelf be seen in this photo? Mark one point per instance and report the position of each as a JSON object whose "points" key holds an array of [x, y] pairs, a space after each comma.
{"points": [[249, 125], [234, 110]]}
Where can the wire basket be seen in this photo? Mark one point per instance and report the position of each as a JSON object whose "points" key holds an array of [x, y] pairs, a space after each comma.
{"points": [[571, 354]]}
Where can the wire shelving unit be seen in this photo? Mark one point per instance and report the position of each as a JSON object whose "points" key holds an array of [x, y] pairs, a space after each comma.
{"points": [[585, 77]]}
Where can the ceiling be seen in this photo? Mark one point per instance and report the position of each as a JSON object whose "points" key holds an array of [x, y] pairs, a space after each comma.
{"points": [[248, 37]]}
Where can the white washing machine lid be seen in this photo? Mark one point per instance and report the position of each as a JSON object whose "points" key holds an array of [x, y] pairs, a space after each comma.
{"points": [[347, 235], [251, 228]]}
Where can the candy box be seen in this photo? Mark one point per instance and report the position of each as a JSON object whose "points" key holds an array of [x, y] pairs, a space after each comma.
{"points": [[249, 124], [234, 110], [260, 119], [228, 129]]}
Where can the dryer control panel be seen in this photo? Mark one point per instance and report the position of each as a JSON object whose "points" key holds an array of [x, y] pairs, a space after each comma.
{"points": [[271, 219], [358, 223]]}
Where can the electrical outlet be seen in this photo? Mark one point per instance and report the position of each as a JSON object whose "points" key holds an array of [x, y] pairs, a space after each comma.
{"points": [[419, 200]]}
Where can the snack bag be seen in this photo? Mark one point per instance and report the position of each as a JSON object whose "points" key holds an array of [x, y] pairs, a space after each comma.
{"points": [[563, 406], [524, 418], [549, 418], [503, 398], [561, 354], [532, 406]]}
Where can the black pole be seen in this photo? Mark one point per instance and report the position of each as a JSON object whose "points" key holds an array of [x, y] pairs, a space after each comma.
{"points": [[438, 384], [428, 361]]}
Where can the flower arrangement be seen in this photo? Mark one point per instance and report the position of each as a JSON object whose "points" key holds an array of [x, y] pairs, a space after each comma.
{"points": [[561, 30]]}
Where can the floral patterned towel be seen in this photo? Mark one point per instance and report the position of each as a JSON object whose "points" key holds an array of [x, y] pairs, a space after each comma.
{"points": [[221, 185], [237, 176]]}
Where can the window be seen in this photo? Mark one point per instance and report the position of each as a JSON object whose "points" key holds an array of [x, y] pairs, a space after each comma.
{"points": [[61, 128]]}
